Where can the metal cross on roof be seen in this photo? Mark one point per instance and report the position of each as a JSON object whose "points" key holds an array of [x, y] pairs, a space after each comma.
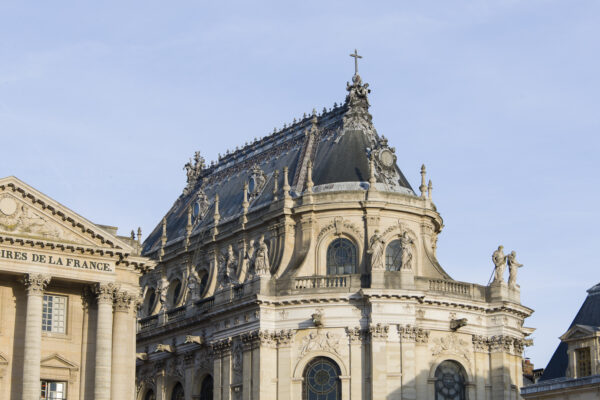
{"points": [[356, 57]]}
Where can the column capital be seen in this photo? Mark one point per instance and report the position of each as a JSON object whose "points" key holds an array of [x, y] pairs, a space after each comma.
{"points": [[123, 300], [105, 292], [36, 283]]}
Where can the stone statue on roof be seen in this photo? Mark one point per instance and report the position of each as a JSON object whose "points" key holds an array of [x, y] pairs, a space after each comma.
{"points": [[499, 260], [513, 267]]}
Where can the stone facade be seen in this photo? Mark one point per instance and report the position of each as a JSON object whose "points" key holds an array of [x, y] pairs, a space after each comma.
{"points": [[68, 295], [305, 262]]}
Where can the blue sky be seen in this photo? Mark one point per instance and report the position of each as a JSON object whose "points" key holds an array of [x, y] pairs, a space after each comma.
{"points": [[101, 104]]}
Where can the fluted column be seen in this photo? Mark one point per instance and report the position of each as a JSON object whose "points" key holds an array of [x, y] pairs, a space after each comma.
{"points": [[123, 357], [102, 389], [35, 284]]}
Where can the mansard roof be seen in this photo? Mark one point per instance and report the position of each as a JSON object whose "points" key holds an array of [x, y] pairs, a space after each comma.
{"points": [[338, 143], [588, 315]]}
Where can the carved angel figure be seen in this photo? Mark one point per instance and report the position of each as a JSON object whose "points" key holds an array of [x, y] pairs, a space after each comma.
{"points": [[163, 286], [376, 248], [261, 258], [513, 267], [407, 251], [499, 260], [192, 285], [231, 265]]}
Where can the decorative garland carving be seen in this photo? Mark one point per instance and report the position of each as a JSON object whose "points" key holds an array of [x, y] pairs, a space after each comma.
{"points": [[328, 342], [451, 344], [340, 225]]}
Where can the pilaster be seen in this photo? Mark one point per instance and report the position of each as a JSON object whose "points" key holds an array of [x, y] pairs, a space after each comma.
{"points": [[356, 336], [379, 335]]}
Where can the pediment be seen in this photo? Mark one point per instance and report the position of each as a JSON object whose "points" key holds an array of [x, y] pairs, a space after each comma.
{"points": [[29, 214], [579, 332], [57, 361]]}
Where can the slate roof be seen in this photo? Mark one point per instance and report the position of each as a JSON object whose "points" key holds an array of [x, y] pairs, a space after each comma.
{"points": [[589, 314], [338, 142]]}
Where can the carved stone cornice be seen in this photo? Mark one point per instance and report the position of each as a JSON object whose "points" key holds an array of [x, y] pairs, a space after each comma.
{"points": [[481, 344], [501, 343], [379, 331], [105, 292], [409, 333], [35, 283]]}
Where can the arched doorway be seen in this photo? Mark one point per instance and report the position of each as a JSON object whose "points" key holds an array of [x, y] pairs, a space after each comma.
{"points": [[450, 378], [150, 395], [206, 389], [322, 380], [178, 393]]}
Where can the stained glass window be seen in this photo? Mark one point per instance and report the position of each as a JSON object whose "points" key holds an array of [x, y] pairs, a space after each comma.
{"points": [[450, 381], [54, 309], [341, 257], [178, 393], [322, 380], [393, 256]]}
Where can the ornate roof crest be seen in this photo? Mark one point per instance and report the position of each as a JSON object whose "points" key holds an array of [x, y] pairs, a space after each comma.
{"points": [[193, 170], [257, 182]]}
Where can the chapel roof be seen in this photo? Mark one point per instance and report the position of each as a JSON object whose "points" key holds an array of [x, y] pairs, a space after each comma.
{"points": [[589, 314], [338, 143]]}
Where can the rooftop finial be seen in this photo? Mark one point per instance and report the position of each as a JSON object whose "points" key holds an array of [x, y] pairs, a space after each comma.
{"points": [[356, 57], [139, 235], [286, 186], [423, 187], [429, 189]]}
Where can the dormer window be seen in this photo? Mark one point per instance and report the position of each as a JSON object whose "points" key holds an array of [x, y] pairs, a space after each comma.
{"points": [[583, 362]]}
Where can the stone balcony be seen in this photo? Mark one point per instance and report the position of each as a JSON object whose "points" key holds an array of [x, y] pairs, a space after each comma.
{"points": [[323, 284]]}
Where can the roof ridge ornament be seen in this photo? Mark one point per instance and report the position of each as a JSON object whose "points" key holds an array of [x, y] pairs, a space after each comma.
{"points": [[357, 117]]}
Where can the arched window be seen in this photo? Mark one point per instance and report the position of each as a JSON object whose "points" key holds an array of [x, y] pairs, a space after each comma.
{"points": [[149, 302], [178, 393], [341, 257], [203, 282], [206, 390], [174, 293], [450, 380], [393, 256], [322, 380], [149, 395]]}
